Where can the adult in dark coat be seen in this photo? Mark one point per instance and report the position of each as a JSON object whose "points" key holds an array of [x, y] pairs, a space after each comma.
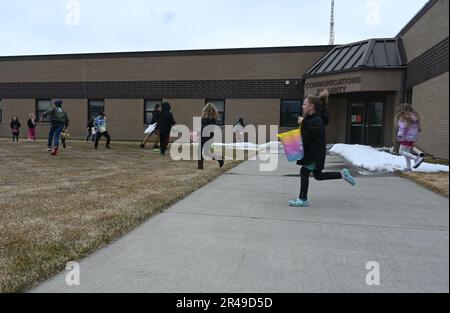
{"points": [[314, 145], [166, 122]]}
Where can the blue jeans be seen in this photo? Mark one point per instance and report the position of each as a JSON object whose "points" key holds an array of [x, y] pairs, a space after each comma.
{"points": [[54, 135]]}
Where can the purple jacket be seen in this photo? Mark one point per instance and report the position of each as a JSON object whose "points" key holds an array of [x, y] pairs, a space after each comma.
{"points": [[408, 134]]}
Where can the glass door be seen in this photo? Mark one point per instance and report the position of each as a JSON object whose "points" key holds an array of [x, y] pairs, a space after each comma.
{"points": [[366, 122], [358, 116], [374, 124]]}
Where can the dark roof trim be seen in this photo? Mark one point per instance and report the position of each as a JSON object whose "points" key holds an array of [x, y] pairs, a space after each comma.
{"points": [[360, 55], [417, 17], [292, 49], [355, 69]]}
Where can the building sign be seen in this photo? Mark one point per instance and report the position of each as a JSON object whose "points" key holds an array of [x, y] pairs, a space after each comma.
{"points": [[334, 86]]}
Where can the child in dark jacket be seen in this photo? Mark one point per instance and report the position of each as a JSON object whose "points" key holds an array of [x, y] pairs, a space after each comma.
{"points": [[91, 130], [210, 116], [155, 120], [166, 122], [59, 120], [314, 145], [15, 128]]}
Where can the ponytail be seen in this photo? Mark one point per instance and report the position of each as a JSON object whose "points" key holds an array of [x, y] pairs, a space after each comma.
{"points": [[324, 95], [319, 102]]}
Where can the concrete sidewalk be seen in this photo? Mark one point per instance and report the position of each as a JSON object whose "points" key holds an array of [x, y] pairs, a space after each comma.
{"points": [[238, 234]]}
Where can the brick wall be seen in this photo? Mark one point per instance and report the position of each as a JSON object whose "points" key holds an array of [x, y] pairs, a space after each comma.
{"points": [[429, 30], [431, 100]]}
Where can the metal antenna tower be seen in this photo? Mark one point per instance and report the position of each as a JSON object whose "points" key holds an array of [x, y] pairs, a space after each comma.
{"points": [[332, 24]]}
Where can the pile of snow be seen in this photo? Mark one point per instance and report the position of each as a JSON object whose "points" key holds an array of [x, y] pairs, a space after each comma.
{"points": [[377, 161]]}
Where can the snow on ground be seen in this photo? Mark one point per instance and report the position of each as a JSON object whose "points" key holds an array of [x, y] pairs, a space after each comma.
{"points": [[377, 161], [272, 147]]}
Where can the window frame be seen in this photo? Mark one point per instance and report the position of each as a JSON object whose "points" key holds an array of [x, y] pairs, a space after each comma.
{"points": [[89, 104], [220, 122], [37, 111], [160, 101], [282, 123]]}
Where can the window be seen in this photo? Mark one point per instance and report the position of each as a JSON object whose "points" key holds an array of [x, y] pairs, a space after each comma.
{"points": [[290, 112], [95, 107], [0, 110], [220, 106], [43, 105], [149, 107]]}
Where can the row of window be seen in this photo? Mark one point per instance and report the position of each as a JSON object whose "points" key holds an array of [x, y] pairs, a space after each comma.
{"points": [[289, 111]]}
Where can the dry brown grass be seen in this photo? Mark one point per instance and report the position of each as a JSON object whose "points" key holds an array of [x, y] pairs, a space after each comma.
{"points": [[58, 209], [436, 182]]}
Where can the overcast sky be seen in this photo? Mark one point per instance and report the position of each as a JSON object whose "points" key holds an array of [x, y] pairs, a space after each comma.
{"points": [[82, 26]]}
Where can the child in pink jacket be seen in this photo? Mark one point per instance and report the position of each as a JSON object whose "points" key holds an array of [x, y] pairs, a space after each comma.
{"points": [[408, 122]]}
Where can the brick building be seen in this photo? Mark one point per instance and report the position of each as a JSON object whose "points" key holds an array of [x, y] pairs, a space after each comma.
{"points": [[265, 86]]}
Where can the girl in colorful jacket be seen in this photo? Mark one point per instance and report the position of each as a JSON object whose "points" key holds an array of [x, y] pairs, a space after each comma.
{"points": [[408, 123]]}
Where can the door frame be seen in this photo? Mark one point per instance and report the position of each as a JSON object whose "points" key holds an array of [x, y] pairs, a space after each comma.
{"points": [[365, 98]]}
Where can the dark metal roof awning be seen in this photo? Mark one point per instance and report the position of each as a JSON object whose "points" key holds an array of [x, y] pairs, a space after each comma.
{"points": [[373, 53]]}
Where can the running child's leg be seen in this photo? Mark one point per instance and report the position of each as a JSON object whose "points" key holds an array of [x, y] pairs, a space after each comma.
{"points": [[98, 136], [345, 175], [320, 176], [164, 142], [406, 152], [108, 139], [304, 183], [157, 140], [302, 200], [145, 141], [51, 135]]}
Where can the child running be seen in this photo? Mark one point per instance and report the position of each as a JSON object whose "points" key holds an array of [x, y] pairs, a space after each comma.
{"points": [[210, 116], [155, 120], [408, 123], [238, 129], [91, 130], [32, 127], [102, 130], [166, 122], [316, 118], [15, 128], [59, 120]]}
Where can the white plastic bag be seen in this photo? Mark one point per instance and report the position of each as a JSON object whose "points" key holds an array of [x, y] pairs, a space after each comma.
{"points": [[151, 129]]}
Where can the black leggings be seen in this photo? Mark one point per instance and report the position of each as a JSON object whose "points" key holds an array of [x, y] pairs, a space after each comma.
{"points": [[15, 136], [318, 175], [163, 142]]}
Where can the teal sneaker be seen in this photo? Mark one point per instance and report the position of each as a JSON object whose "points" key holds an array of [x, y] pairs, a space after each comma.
{"points": [[348, 177], [298, 203]]}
